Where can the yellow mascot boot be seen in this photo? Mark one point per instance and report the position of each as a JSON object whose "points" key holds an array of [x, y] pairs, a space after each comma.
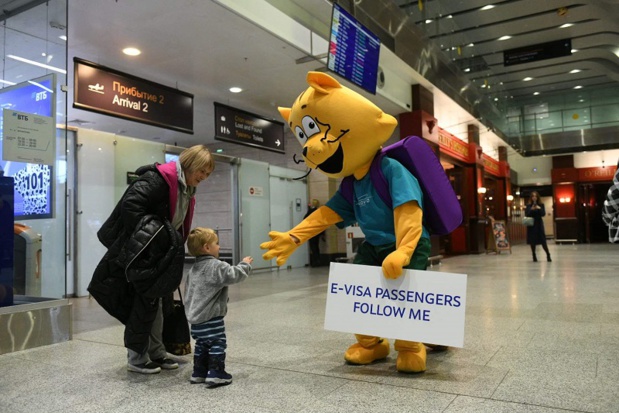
{"points": [[367, 350], [411, 356]]}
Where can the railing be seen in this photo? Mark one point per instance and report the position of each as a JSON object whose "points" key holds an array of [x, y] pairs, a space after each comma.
{"points": [[569, 119]]}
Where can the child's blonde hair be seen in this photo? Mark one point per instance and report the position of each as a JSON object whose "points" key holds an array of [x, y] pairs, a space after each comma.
{"points": [[198, 237]]}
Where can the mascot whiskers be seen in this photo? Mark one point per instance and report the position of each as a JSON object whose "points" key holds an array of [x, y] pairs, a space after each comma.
{"points": [[341, 133]]}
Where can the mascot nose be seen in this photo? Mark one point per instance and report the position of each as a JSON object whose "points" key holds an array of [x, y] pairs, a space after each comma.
{"points": [[305, 151]]}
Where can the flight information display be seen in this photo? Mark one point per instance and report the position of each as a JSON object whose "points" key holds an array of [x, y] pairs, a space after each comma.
{"points": [[353, 50]]}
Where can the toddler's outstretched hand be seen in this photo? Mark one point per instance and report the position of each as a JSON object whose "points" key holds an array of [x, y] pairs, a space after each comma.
{"points": [[248, 260]]}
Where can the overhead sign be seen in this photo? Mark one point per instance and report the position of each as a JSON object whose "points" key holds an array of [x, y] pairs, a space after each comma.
{"points": [[101, 89], [537, 52], [426, 306], [238, 126]]}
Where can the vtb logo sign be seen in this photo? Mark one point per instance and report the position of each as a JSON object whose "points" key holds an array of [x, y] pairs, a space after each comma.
{"points": [[20, 117]]}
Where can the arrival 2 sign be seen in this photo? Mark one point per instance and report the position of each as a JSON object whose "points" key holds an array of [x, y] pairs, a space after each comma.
{"points": [[238, 126], [101, 89]]}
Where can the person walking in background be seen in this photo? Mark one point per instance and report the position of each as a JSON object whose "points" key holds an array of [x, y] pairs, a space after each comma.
{"points": [[206, 305], [610, 211], [536, 234], [145, 236], [314, 242]]}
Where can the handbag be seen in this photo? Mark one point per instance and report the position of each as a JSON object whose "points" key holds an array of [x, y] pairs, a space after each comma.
{"points": [[528, 221], [176, 336]]}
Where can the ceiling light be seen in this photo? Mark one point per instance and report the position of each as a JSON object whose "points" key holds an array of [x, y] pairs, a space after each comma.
{"points": [[32, 62], [577, 87], [449, 17], [470, 45], [428, 21], [132, 51], [575, 71], [574, 50], [504, 38], [563, 26], [468, 69], [535, 93], [6, 82], [41, 86], [63, 37], [488, 7], [235, 89], [526, 79]]}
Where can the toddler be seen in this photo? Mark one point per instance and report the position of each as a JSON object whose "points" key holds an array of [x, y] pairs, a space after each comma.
{"points": [[206, 304]]}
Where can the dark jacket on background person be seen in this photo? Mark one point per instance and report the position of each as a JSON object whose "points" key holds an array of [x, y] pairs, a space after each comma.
{"points": [[610, 211], [145, 254], [536, 234]]}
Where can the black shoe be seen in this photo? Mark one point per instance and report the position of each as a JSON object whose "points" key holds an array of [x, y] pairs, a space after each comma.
{"points": [[549, 259], [216, 378], [144, 368], [166, 363], [534, 258]]}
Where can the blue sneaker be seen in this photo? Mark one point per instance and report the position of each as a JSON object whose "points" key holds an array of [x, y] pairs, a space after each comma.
{"points": [[215, 378]]}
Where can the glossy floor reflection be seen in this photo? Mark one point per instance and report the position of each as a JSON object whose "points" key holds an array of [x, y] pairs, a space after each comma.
{"points": [[540, 337]]}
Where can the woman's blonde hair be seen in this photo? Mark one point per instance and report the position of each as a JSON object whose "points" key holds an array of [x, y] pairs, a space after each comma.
{"points": [[198, 237], [195, 158]]}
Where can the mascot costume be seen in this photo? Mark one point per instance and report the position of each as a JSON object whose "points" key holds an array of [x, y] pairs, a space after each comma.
{"points": [[341, 133]]}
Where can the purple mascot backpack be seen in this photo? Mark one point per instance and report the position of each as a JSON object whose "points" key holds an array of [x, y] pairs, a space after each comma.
{"points": [[442, 212]]}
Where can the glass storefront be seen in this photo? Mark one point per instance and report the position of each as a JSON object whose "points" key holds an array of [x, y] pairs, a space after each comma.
{"points": [[33, 155]]}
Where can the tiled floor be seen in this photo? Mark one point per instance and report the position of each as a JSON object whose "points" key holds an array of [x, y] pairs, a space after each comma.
{"points": [[540, 337]]}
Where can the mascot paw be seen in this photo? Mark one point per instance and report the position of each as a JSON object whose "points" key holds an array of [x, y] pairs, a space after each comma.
{"points": [[357, 354], [411, 361]]}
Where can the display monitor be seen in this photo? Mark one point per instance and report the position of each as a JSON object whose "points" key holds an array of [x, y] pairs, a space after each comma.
{"points": [[353, 50], [33, 182]]}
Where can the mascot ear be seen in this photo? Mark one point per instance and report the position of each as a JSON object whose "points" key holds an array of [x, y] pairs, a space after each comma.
{"points": [[322, 82], [285, 112]]}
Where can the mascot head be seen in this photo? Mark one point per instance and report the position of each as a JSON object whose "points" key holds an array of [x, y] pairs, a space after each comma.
{"points": [[339, 129]]}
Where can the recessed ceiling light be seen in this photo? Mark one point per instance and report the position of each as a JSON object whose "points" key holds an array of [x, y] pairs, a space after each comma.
{"points": [[504, 38], [563, 26], [428, 21], [131, 51], [526, 79], [63, 37], [535, 93], [235, 89], [577, 87], [468, 69], [488, 7], [575, 71], [574, 50]]}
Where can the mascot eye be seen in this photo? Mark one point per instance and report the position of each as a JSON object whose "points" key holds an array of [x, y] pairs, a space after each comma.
{"points": [[310, 126], [300, 134]]}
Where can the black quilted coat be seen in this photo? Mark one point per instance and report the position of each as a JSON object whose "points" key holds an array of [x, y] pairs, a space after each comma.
{"points": [[144, 260]]}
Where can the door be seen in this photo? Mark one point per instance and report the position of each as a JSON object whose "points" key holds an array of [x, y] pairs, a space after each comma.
{"points": [[288, 207], [255, 211]]}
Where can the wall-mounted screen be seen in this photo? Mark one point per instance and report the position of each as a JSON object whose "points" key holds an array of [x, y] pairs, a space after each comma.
{"points": [[33, 182], [353, 50]]}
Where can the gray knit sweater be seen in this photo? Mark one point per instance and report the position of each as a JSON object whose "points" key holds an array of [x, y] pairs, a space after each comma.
{"points": [[206, 287]]}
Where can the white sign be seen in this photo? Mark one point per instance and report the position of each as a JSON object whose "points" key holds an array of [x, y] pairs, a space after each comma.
{"points": [[256, 191], [425, 306], [28, 137]]}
